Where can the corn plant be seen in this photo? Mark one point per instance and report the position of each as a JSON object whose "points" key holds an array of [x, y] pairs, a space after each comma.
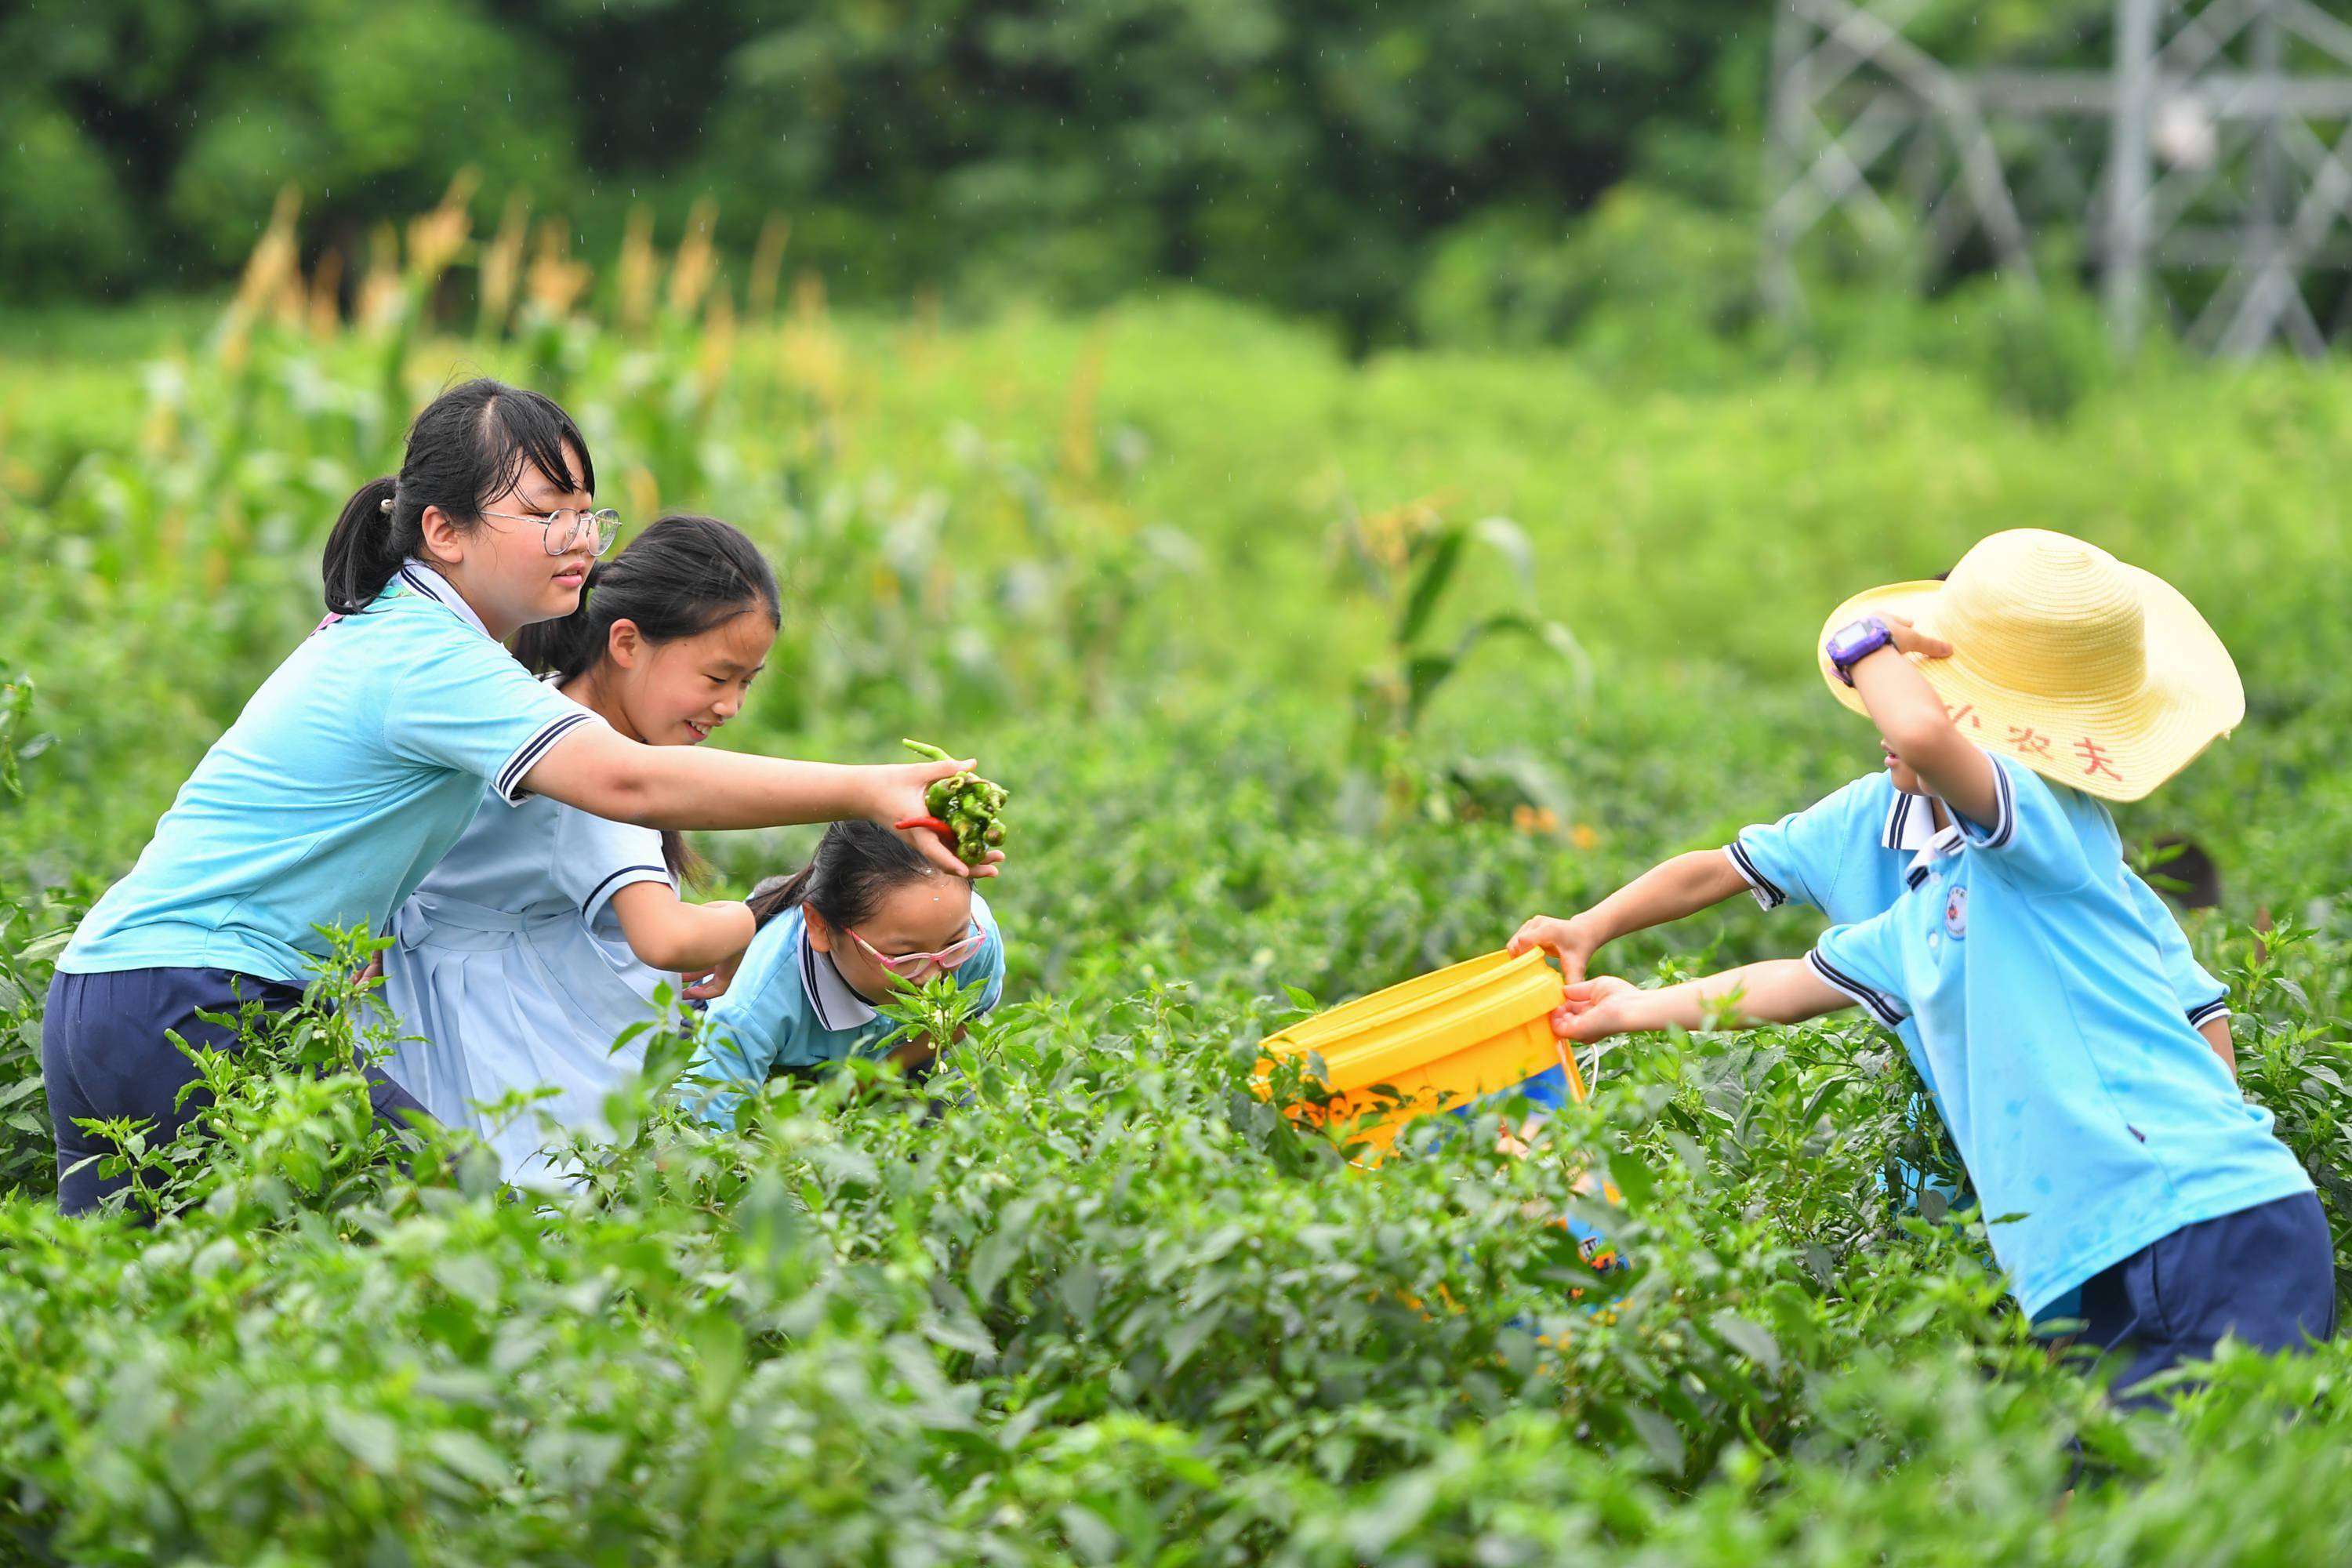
{"points": [[1410, 558]]}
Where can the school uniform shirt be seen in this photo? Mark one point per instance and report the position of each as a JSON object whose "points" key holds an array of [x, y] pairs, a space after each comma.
{"points": [[1852, 853], [2080, 1099], [349, 773], [789, 1008], [509, 968]]}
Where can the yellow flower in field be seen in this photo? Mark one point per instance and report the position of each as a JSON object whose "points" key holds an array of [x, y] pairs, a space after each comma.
{"points": [[1534, 819], [1583, 835]]}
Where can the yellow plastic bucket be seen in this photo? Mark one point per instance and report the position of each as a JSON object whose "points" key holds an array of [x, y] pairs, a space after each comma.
{"points": [[1439, 1042]]}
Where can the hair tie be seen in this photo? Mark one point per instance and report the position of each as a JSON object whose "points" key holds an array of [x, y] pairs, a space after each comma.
{"points": [[386, 507]]}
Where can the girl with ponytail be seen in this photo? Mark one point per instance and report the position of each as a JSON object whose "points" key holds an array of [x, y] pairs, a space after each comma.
{"points": [[362, 759], [834, 937], [541, 936]]}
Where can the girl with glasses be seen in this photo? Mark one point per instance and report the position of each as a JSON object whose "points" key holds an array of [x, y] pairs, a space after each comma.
{"points": [[364, 756], [834, 939], [541, 936]]}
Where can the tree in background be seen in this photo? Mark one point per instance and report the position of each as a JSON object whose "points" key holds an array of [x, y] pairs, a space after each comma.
{"points": [[1306, 153]]}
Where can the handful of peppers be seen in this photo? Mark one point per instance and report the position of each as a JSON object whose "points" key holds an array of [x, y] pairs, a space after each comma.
{"points": [[965, 809]]}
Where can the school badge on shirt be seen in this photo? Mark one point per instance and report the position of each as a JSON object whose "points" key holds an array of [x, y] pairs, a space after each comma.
{"points": [[1955, 912]]}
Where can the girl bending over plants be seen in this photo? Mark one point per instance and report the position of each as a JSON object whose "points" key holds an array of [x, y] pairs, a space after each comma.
{"points": [[865, 918]]}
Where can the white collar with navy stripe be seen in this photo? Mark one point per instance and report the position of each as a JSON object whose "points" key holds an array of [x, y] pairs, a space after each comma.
{"points": [[423, 579], [1910, 823], [837, 1006], [1911, 828]]}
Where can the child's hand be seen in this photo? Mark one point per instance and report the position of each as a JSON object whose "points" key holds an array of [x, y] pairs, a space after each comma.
{"points": [[710, 983], [900, 799], [1592, 1010], [1909, 639], [1571, 941]]}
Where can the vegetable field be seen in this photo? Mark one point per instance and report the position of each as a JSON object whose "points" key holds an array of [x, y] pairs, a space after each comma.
{"points": [[1303, 675]]}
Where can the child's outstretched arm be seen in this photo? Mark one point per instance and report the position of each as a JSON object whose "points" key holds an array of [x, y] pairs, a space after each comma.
{"points": [[605, 774], [666, 932], [1779, 991], [1665, 893], [1916, 728]]}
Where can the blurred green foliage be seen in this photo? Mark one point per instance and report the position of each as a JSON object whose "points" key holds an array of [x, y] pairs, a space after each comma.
{"points": [[1104, 1304], [1307, 155]]}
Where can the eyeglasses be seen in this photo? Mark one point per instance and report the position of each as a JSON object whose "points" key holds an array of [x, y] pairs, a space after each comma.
{"points": [[566, 524], [908, 964]]}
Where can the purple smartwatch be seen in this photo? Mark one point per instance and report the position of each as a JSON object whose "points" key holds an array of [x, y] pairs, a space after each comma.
{"points": [[1856, 640]]}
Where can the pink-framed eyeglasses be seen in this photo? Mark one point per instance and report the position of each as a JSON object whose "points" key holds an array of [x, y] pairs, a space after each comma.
{"points": [[907, 964]]}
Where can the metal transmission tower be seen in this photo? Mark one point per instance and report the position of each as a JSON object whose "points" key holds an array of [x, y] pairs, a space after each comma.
{"points": [[2207, 169]]}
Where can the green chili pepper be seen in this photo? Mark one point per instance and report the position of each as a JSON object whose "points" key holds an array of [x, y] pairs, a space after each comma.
{"points": [[967, 807]]}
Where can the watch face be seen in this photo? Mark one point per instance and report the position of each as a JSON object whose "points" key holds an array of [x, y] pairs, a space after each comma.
{"points": [[1850, 639]]}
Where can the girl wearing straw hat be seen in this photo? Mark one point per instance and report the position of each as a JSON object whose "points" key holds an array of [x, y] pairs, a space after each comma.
{"points": [[2044, 678]]}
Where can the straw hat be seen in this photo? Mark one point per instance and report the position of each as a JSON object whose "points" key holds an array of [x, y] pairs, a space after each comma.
{"points": [[2093, 674]]}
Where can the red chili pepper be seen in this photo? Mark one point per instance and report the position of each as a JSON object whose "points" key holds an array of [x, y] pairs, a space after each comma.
{"points": [[933, 822]]}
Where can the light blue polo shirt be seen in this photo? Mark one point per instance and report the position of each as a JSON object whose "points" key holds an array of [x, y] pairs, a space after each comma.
{"points": [[350, 772], [1852, 853], [788, 1006], [2078, 1093]]}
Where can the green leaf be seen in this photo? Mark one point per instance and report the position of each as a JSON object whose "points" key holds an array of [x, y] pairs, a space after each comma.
{"points": [[1080, 1287], [1187, 1336], [1820, 1097], [1547, 634], [42, 950], [1563, 642], [1660, 1435], [1423, 673], [1399, 1506], [1749, 1339], [469, 1457], [1509, 540], [1442, 553], [1091, 1539], [368, 1437], [1633, 1179], [998, 1251], [470, 1277]]}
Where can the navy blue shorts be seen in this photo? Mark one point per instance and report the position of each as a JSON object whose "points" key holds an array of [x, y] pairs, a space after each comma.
{"points": [[2266, 1276], [103, 1052]]}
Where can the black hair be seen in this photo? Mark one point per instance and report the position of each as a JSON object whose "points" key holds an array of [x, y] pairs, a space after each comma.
{"points": [[472, 445], [683, 575], [680, 578], [855, 865]]}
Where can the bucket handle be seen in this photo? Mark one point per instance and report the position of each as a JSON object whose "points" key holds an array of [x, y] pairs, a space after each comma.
{"points": [[1569, 1069]]}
